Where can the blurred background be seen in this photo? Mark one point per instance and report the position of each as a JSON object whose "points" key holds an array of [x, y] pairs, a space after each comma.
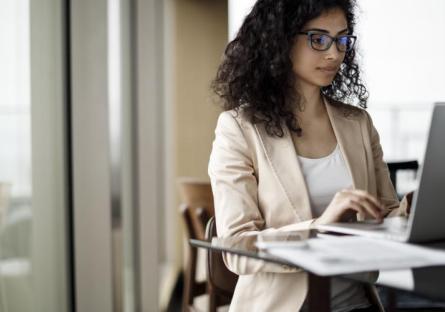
{"points": [[106, 116]]}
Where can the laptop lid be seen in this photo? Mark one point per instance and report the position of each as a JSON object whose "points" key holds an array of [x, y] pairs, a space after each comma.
{"points": [[427, 219]]}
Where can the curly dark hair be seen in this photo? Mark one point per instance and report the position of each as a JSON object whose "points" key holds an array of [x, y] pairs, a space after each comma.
{"points": [[256, 72]]}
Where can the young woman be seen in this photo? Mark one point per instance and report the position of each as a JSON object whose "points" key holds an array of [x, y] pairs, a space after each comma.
{"points": [[294, 147]]}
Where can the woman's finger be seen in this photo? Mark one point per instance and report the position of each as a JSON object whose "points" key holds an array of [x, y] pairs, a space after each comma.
{"points": [[356, 207], [371, 209], [368, 197]]}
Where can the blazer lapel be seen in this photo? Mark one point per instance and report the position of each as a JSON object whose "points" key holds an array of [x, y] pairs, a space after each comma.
{"points": [[283, 159], [349, 137]]}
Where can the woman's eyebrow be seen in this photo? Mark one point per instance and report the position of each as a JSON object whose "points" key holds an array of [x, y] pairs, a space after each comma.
{"points": [[326, 31]]}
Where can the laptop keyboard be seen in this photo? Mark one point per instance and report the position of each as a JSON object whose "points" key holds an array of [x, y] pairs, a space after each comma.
{"points": [[396, 225], [394, 228]]}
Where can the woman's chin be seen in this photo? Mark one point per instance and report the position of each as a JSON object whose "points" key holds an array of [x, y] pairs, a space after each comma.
{"points": [[326, 85], [319, 81], [325, 82]]}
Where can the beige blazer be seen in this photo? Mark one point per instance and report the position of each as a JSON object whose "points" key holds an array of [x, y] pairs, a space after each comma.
{"points": [[258, 186]]}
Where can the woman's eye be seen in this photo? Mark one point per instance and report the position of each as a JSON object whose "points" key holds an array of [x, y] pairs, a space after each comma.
{"points": [[343, 40], [318, 39]]}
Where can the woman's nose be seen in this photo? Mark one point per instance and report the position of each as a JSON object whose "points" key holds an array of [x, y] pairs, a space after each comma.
{"points": [[332, 53]]}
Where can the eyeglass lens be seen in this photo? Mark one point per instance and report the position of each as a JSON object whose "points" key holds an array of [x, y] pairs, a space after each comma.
{"points": [[323, 42]]}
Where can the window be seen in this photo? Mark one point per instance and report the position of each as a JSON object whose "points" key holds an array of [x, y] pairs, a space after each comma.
{"points": [[403, 66]]}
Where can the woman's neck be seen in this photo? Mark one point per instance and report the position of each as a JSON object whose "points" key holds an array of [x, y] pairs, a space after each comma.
{"points": [[311, 102]]}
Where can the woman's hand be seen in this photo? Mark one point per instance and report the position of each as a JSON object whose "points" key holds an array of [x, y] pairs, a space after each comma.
{"points": [[347, 201]]}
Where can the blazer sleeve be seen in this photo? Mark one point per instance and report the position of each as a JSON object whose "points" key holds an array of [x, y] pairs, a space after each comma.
{"points": [[385, 189], [235, 187]]}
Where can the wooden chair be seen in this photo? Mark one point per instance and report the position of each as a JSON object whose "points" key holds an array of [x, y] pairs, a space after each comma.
{"points": [[194, 220], [220, 281], [196, 209], [197, 193]]}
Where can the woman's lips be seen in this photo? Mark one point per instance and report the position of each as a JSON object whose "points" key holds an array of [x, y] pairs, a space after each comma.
{"points": [[329, 70]]}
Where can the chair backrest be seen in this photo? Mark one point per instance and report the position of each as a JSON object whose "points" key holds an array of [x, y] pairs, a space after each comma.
{"points": [[196, 209], [195, 219], [197, 205], [196, 193], [220, 278]]}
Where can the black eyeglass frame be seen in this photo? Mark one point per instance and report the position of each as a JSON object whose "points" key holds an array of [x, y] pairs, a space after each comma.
{"points": [[309, 38]]}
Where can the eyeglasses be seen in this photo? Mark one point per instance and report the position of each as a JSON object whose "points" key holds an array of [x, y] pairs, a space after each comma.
{"points": [[322, 42]]}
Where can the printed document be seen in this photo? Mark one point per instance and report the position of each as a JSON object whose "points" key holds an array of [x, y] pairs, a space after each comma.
{"points": [[353, 254]]}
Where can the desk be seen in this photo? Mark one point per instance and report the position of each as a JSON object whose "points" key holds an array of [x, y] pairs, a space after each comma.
{"points": [[426, 282]]}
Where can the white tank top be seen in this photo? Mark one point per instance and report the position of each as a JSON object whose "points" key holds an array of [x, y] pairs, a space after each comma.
{"points": [[324, 177]]}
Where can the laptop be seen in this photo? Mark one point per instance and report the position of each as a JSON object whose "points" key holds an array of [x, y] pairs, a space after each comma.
{"points": [[426, 221]]}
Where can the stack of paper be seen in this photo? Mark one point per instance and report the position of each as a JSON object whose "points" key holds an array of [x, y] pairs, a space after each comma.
{"points": [[353, 254]]}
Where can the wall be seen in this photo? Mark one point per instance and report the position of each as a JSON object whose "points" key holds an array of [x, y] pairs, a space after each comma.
{"points": [[195, 38], [201, 35]]}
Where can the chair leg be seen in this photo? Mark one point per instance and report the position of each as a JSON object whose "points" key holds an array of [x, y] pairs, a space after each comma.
{"points": [[213, 300], [189, 280]]}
